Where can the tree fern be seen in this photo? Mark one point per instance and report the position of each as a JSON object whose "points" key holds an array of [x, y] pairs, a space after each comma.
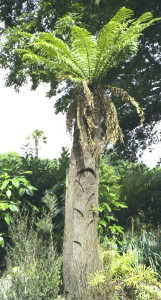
{"points": [[87, 59]]}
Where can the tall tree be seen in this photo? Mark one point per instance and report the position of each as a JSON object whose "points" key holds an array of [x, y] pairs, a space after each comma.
{"points": [[85, 60]]}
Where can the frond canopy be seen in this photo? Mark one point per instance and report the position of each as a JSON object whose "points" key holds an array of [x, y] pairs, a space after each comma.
{"points": [[87, 56]]}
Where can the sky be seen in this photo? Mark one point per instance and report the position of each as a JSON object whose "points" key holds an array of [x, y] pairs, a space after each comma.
{"points": [[21, 113]]}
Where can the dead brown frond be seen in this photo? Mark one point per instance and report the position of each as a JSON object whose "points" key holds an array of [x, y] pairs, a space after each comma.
{"points": [[113, 132], [92, 110], [71, 114], [126, 97]]}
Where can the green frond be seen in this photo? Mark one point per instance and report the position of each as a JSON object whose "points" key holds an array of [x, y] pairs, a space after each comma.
{"points": [[118, 40], [29, 56], [84, 49], [109, 35], [122, 15], [58, 51], [88, 57], [55, 55], [27, 35]]}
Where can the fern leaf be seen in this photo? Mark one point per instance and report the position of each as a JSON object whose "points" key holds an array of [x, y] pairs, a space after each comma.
{"points": [[84, 49], [109, 34], [57, 49], [118, 40]]}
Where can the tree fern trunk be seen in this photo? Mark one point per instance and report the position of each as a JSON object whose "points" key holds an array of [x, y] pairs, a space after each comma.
{"points": [[80, 253]]}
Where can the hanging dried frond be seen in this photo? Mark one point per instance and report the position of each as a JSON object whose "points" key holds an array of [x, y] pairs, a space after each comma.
{"points": [[113, 132], [89, 110], [71, 114], [90, 106], [126, 97], [88, 94], [87, 113]]}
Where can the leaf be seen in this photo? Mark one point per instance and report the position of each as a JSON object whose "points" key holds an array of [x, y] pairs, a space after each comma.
{"points": [[4, 184], [120, 204], [8, 193], [113, 229], [29, 191], [24, 180], [1, 241], [16, 182], [107, 206], [101, 208], [103, 223], [100, 229], [21, 191], [84, 48], [3, 206], [35, 208], [119, 229], [8, 219], [13, 207]]}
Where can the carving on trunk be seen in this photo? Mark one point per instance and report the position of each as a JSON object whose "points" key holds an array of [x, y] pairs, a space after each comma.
{"points": [[80, 185], [78, 243], [79, 212], [90, 222], [87, 170], [90, 198]]}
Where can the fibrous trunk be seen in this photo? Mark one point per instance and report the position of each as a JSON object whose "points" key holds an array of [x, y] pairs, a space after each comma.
{"points": [[80, 253]]}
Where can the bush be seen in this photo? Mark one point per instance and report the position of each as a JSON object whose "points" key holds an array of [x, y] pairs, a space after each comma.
{"points": [[126, 281], [147, 247], [33, 268]]}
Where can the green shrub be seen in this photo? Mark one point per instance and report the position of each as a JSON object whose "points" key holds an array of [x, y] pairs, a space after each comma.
{"points": [[33, 268], [147, 248], [126, 281]]}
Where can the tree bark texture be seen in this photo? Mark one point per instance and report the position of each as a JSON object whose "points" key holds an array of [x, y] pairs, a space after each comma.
{"points": [[80, 248]]}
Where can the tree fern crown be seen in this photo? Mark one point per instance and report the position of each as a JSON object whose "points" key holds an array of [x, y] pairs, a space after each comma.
{"points": [[88, 57]]}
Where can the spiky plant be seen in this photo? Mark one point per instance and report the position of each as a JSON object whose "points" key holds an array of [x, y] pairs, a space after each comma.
{"points": [[85, 60]]}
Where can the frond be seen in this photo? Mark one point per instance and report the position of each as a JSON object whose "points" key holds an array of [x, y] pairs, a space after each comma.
{"points": [[30, 56], [113, 132], [118, 40], [71, 114], [126, 97], [58, 51], [109, 34], [122, 15], [84, 49]]}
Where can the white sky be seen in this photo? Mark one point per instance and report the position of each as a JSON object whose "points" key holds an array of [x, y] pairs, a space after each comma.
{"points": [[21, 113]]}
